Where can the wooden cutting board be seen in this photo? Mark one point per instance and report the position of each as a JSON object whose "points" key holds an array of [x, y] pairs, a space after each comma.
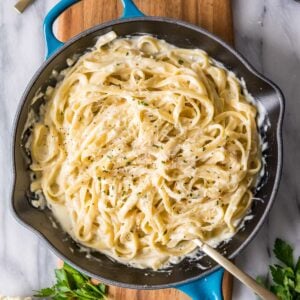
{"points": [[213, 15]]}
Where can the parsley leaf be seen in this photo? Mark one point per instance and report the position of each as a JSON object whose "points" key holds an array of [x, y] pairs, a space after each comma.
{"points": [[281, 292], [286, 276], [284, 252], [71, 284], [277, 274], [45, 292]]}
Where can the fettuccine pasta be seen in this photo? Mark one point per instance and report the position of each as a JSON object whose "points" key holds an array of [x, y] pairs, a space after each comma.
{"points": [[143, 147]]}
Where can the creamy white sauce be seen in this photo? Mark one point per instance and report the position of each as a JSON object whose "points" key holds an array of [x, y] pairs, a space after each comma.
{"points": [[61, 213]]}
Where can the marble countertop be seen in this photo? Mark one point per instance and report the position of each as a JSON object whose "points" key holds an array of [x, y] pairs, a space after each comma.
{"points": [[267, 33]]}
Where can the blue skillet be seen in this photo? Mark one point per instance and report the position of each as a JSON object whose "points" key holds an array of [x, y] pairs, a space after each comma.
{"points": [[197, 282]]}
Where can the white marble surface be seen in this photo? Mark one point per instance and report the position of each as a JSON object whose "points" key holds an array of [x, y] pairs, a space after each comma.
{"points": [[267, 32]]}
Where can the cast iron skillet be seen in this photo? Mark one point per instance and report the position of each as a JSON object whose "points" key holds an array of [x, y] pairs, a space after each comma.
{"points": [[183, 275]]}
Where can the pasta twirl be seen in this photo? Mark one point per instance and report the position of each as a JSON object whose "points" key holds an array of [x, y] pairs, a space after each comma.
{"points": [[144, 146]]}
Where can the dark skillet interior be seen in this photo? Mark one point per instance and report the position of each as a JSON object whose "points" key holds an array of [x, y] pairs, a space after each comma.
{"points": [[99, 266]]}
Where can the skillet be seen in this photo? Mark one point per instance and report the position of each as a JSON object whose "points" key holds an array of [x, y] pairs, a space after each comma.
{"points": [[199, 283]]}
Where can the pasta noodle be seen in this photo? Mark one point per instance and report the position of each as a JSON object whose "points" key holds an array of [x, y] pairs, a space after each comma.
{"points": [[143, 147]]}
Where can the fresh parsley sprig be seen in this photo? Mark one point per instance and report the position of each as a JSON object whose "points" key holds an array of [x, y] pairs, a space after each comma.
{"points": [[286, 276], [71, 284]]}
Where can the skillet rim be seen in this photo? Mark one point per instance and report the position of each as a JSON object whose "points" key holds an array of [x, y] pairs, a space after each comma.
{"points": [[215, 39]]}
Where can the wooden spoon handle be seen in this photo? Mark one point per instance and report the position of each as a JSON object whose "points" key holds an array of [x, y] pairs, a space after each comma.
{"points": [[21, 5], [235, 271]]}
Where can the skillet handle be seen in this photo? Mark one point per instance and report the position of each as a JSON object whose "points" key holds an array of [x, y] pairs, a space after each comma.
{"points": [[130, 10], [53, 44], [207, 288]]}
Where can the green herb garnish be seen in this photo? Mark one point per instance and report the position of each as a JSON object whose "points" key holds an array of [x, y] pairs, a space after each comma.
{"points": [[157, 146], [286, 275], [180, 61], [71, 284], [143, 103]]}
